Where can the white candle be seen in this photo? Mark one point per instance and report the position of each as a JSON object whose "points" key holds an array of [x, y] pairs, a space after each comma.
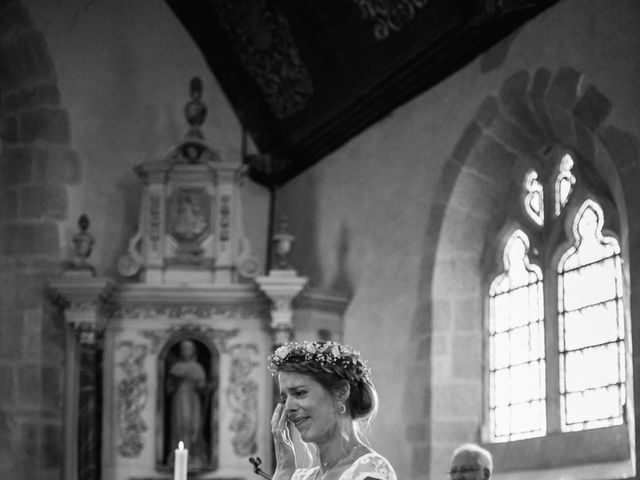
{"points": [[180, 462]]}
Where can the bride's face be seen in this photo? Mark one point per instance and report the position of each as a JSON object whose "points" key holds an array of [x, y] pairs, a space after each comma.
{"points": [[309, 406]]}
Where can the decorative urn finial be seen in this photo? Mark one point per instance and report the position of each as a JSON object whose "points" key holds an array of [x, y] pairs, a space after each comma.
{"points": [[283, 243], [82, 245], [195, 110]]}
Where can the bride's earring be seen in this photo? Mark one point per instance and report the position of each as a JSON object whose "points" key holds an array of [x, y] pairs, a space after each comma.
{"points": [[341, 408]]}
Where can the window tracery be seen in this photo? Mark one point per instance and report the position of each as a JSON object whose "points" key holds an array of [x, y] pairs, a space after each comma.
{"points": [[564, 183], [556, 324], [534, 197]]}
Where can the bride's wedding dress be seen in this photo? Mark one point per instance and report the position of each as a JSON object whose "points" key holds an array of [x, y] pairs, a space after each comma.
{"points": [[371, 465]]}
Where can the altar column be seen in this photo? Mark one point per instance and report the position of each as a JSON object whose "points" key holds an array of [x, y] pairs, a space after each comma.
{"points": [[82, 298], [281, 287]]}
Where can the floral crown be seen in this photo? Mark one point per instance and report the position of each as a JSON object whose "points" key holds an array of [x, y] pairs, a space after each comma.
{"points": [[326, 356]]}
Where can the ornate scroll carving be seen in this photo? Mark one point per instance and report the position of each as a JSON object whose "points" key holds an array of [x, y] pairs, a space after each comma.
{"points": [[242, 397], [263, 39], [389, 15], [132, 398], [156, 309], [154, 219]]}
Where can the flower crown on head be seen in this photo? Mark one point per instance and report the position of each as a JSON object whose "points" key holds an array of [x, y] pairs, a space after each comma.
{"points": [[327, 356]]}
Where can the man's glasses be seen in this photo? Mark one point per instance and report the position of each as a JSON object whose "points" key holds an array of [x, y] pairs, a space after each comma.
{"points": [[463, 471]]}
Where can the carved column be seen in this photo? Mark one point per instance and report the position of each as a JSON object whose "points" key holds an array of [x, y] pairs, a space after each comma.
{"points": [[82, 299], [89, 411], [281, 286]]}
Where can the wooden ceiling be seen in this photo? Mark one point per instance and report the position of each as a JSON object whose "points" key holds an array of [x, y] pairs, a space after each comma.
{"points": [[304, 76]]}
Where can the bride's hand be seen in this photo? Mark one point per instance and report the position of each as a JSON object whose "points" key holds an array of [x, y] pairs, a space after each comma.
{"points": [[283, 445]]}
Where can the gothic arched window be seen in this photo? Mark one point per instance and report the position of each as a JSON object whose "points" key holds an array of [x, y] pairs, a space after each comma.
{"points": [[556, 310], [591, 326], [516, 336]]}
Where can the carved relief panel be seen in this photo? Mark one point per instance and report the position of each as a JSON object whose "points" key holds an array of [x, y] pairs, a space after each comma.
{"points": [[189, 220]]}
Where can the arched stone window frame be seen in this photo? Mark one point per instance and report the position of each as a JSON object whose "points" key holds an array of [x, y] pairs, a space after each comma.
{"points": [[530, 113], [548, 242]]}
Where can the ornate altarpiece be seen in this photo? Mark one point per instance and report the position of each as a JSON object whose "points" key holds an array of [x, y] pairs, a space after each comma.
{"points": [[188, 328]]}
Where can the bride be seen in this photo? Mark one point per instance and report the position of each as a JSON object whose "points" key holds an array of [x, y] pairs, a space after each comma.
{"points": [[327, 400]]}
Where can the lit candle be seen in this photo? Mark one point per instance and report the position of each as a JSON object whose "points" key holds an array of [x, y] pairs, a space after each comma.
{"points": [[180, 463]]}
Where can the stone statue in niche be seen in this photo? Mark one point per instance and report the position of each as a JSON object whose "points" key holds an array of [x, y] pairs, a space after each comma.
{"points": [[189, 389]]}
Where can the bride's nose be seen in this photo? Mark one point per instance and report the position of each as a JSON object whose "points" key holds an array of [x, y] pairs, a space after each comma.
{"points": [[289, 405]]}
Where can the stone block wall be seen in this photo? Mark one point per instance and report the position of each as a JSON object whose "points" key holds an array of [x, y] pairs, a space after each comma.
{"points": [[532, 112], [36, 166]]}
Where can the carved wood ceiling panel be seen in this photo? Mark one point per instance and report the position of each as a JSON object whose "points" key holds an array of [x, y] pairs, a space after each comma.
{"points": [[304, 76]]}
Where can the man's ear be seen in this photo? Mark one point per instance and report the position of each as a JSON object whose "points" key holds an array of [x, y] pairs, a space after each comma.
{"points": [[487, 473]]}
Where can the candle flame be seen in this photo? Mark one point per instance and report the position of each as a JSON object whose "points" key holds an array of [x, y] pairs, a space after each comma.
{"points": [[181, 445]]}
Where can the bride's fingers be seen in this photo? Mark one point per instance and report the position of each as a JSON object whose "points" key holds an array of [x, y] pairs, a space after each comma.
{"points": [[275, 418], [279, 428], [282, 421]]}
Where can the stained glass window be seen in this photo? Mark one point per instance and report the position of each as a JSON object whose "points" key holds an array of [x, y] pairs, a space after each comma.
{"points": [[564, 183], [591, 326], [557, 346], [534, 199], [517, 365]]}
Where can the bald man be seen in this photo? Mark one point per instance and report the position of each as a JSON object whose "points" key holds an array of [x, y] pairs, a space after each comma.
{"points": [[471, 462]]}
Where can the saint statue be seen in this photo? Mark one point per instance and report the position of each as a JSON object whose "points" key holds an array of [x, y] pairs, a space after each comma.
{"points": [[189, 392]]}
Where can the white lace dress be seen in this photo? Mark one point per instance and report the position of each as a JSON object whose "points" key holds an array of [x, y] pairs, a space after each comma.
{"points": [[370, 465]]}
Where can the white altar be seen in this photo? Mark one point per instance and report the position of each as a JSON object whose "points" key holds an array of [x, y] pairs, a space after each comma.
{"points": [[230, 328], [176, 348]]}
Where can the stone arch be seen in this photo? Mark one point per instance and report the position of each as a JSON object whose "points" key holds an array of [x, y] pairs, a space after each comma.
{"points": [[36, 165], [529, 114], [37, 162]]}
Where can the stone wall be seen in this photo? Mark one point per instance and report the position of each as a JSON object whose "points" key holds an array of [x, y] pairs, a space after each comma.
{"points": [[531, 112], [36, 166], [88, 90]]}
